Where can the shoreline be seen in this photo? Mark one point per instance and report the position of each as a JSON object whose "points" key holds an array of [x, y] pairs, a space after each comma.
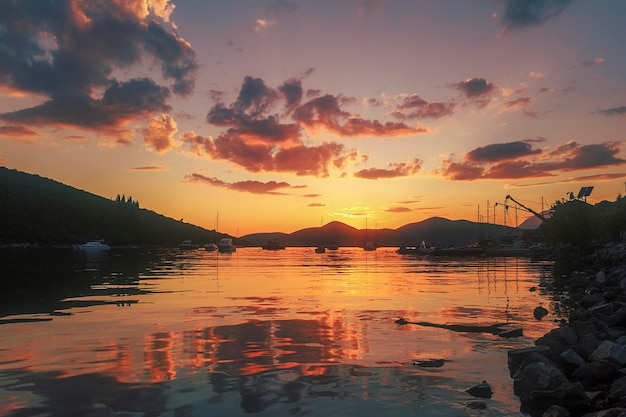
{"points": [[579, 368]]}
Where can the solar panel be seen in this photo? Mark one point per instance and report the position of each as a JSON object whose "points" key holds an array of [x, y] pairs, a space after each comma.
{"points": [[585, 192]]}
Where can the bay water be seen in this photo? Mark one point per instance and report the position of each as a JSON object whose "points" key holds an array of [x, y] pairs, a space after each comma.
{"points": [[167, 332]]}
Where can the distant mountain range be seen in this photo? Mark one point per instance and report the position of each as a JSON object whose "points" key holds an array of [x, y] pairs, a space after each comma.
{"points": [[436, 231], [43, 211]]}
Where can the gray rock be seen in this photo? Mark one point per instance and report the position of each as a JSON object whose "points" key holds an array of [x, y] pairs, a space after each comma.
{"points": [[482, 390], [517, 358], [618, 389], [556, 411], [572, 358], [540, 385], [610, 351], [590, 374]]}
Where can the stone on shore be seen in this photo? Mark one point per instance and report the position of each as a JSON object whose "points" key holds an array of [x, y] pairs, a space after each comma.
{"points": [[556, 411], [482, 390], [540, 385], [610, 351], [578, 368]]}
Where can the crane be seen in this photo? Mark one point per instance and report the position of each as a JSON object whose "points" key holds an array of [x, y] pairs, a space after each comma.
{"points": [[542, 218]]}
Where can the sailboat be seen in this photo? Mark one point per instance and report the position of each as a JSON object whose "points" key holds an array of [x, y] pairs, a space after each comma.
{"points": [[369, 245], [320, 248], [211, 246]]}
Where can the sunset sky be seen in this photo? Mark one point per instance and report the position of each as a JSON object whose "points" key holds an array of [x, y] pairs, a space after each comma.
{"points": [[281, 113]]}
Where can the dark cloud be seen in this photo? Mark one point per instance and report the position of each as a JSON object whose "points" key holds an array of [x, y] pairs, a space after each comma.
{"points": [[414, 107], [316, 205], [268, 130], [68, 52], [120, 104], [403, 169], [599, 155], [254, 187], [520, 14], [292, 91], [478, 90], [312, 195], [615, 111], [255, 97], [483, 163], [325, 112], [475, 87], [501, 151]]}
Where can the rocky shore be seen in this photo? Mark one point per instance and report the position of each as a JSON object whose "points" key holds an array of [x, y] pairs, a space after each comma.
{"points": [[579, 368]]}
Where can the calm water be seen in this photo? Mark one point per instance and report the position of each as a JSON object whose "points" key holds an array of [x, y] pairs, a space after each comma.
{"points": [[287, 333]]}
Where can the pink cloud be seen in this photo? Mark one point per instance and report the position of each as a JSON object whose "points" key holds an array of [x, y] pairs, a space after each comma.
{"points": [[403, 169], [254, 187]]}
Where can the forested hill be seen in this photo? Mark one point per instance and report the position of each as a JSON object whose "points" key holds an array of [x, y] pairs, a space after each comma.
{"points": [[43, 211]]}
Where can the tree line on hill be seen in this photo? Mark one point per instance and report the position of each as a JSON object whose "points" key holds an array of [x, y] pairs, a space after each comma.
{"points": [[42, 211], [582, 226]]}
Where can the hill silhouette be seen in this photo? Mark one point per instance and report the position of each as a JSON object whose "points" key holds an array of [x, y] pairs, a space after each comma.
{"points": [[39, 210], [435, 230]]}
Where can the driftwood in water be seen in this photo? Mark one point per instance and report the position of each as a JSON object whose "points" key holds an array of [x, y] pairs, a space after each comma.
{"points": [[498, 328]]}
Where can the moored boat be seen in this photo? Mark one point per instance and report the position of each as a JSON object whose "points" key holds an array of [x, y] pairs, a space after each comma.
{"points": [[93, 245], [210, 247], [187, 244], [272, 245], [226, 245]]}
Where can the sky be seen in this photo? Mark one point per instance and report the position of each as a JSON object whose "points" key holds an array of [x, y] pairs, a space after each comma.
{"points": [[276, 115]]}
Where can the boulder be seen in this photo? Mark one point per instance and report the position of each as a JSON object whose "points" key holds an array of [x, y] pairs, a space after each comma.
{"points": [[591, 374], [482, 390], [618, 390], [540, 385], [540, 312], [571, 358], [517, 358], [610, 351], [556, 411]]}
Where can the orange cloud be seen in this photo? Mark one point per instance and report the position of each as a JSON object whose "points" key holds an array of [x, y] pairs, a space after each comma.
{"points": [[258, 157], [398, 210], [159, 135], [18, 132], [149, 168]]}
